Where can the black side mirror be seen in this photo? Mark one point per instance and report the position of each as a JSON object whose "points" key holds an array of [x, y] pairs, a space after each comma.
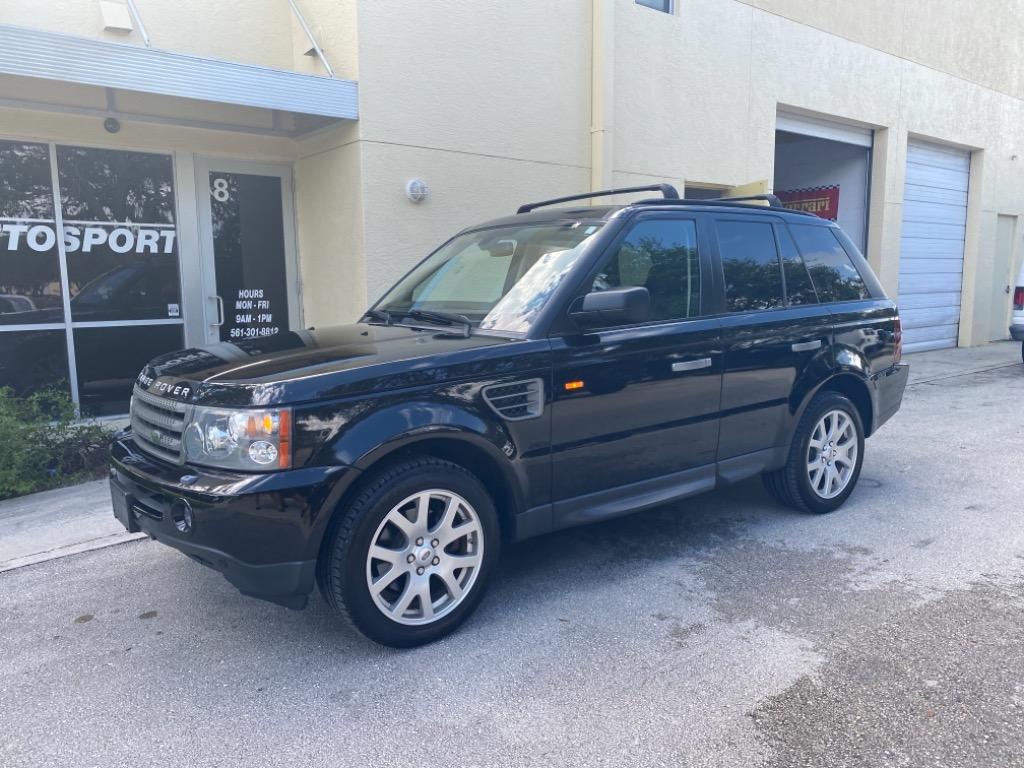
{"points": [[617, 306]]}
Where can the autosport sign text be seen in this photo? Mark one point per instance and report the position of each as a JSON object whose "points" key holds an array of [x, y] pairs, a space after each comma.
{"points": [[85, 238]]}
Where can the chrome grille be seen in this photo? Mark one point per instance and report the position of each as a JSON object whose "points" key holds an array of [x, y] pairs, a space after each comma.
{"points": [[157, 425], [518, 400]]}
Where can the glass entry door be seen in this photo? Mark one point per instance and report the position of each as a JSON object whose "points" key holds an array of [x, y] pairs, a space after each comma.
{"points": [[249, 254]]}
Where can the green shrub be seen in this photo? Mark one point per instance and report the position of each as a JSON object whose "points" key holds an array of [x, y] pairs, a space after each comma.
{"points": [[44, 445]]}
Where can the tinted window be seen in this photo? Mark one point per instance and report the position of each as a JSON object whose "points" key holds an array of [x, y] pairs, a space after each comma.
{"points": [[109, 359], [750, 263], [835, 278], [119, 234], [665, 6], [34, 360], [248, 253], [799, 289], [661, 256], [30, 290]]}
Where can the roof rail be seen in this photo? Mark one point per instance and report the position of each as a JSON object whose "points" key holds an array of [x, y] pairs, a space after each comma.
{"points": [[772, 200], [667, 190]]}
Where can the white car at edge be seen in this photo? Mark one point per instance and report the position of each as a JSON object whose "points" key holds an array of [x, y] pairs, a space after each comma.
{"points": [[1017, 323]]}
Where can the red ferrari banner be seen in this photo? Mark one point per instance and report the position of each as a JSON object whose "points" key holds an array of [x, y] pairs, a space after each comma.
{"points": [[821, 201]]}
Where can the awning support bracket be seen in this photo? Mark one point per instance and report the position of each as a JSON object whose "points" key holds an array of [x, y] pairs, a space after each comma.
{"points": [[309, 33], [134, 11]]}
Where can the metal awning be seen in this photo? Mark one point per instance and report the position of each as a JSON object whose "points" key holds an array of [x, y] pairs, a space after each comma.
{"points": [[119, 66]]}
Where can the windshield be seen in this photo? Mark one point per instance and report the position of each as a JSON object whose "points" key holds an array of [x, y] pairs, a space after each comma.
{"points": [[498, 279]]}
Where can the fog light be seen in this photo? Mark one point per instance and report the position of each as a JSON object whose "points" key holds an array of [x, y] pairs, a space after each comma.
{"points": [[181, 514]]}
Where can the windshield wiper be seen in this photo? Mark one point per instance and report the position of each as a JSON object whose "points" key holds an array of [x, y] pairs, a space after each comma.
{"points": [[381, 315], [445, 318]]}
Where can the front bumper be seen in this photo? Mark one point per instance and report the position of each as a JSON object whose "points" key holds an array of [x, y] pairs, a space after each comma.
{"points": [[262, 532], [889, 387], [1017, 332]]}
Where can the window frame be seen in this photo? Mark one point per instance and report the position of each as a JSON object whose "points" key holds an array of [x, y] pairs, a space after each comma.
{"points": [[563, 325]]}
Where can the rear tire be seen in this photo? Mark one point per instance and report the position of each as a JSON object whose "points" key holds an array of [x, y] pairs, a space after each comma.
{"points": [[412, 555], [825, 457]]}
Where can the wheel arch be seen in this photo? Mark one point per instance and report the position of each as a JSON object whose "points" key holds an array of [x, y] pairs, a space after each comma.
{"points": [[469, 451], [856, 388]]}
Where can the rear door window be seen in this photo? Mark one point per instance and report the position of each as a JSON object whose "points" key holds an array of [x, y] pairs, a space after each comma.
{"points": [[833, 273], [750, 265], [799, 288]]}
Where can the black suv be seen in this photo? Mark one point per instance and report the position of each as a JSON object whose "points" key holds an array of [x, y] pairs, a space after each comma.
{"points": [[544, 370]]}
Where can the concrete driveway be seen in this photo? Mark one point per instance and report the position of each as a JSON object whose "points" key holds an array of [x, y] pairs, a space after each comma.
{"points": [[723, 631]]}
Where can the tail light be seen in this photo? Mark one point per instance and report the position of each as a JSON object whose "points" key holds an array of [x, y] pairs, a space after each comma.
{"points": [[897, 337], [1018, 299]]}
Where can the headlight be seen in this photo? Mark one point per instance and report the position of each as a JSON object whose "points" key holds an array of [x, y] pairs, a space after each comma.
{"points": [[240, 439]]}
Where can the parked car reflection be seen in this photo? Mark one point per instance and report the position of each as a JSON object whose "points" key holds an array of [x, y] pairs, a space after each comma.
{"points": [[145, 289]]}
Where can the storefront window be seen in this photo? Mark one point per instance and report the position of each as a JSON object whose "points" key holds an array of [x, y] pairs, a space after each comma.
{"points": [[110, 358], [120, 250], [119, 234], [34, 360], [30, 287]]}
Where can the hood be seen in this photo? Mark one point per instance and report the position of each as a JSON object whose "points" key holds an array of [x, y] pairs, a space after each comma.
{"points": [[302, 366]]}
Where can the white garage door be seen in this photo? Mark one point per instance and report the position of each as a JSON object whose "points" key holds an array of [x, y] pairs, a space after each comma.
{"points": [[932, 245]]}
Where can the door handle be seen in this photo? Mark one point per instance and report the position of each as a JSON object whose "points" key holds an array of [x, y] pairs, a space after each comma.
{"points": [[691, 365], [220, 310], [807, 346]]}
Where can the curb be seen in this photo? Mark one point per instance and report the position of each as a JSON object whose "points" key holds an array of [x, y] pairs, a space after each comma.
{"points": [[71, 549]]}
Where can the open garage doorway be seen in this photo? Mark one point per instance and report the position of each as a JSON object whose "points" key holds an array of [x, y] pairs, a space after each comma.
{"points": [[825, 168]]}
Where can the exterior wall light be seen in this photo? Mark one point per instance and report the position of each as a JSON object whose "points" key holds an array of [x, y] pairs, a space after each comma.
{"points": [[417, 190]]}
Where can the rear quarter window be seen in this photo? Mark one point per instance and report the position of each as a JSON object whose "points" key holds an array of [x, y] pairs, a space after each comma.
{"points": [[832, 271]]}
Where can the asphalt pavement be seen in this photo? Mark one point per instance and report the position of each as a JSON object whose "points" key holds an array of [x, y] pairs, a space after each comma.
{"points": [[721, 631]]}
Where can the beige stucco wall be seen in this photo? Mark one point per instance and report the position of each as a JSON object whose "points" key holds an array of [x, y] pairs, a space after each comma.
{"points": [[977, 41], [247, 31], [490, 109], [495, 108]]}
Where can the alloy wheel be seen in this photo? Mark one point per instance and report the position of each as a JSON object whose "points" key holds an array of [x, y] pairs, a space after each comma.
{"points": [[832, 454], [424, 557]]}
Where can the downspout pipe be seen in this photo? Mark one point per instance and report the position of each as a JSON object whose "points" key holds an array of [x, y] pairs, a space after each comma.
{"points": [[602, 93]]}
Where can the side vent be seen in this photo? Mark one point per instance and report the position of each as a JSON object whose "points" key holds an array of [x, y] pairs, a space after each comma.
{"points": [[518, 400]]}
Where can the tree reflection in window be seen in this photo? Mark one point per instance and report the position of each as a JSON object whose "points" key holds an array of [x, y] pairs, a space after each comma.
{"points": [[113, 185], [661, 256], [834, 275], [25, 189], [750, 263], [30, 288]]}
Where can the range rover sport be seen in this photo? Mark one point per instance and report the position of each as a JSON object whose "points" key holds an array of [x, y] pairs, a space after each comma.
{"points": [[549, 369]]}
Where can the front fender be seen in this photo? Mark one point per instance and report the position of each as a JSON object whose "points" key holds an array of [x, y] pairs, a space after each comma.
{"points": [[366, 441], [459, 429]]}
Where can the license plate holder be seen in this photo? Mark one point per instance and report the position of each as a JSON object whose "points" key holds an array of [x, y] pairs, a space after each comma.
{"points": [[123, 502]]}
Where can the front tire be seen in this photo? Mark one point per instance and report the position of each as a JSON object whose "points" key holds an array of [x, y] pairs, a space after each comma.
{"points": [[410, 558], [825, 457]]}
